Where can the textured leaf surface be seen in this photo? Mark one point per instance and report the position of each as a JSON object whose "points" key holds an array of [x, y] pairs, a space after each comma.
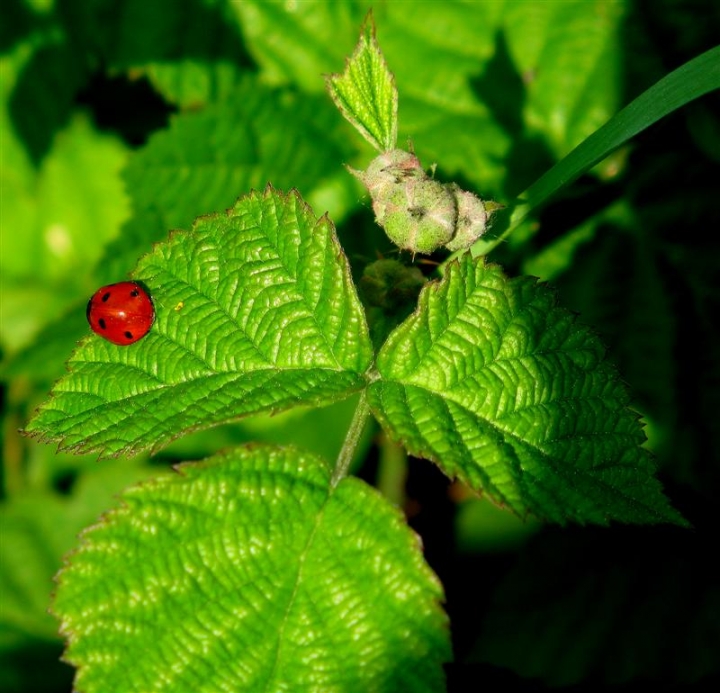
{"points": [[495, 382], [366, 94], [256, 311], [201, 583]]}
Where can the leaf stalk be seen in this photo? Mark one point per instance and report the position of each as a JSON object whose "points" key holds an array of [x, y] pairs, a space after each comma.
{"points": [[352, 438]]}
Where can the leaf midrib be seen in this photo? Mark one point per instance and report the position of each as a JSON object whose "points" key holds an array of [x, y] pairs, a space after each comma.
{"points": [[296, 587]]}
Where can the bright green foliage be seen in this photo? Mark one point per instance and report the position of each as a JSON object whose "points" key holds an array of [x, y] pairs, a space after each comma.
{"points": [[303, 587], [501, 387], [190, 82], [254, 137], [252, 571], [366, 94], [244, 324], [315, 38], [456, 103], [54, 222]]}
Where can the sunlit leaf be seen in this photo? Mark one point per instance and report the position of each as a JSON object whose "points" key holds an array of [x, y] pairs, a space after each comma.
{"points": [[502, 388], [365, 92], [244, 324], [199, 582]]}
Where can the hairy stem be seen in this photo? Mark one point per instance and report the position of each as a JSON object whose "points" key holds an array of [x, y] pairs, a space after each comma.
{"points": [[360, 417]]}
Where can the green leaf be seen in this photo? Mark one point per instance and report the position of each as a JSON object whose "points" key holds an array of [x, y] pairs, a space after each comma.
{"points": [[37, 529], [365, 92], [191, 83], [500, 386], [255, 137], [692, 80], [297, 44], [304, 586], [570, 61], [54, 223], [256, 311]]}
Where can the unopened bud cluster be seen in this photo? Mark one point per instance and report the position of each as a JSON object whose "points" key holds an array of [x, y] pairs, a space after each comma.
{"points": [[418, 213]]}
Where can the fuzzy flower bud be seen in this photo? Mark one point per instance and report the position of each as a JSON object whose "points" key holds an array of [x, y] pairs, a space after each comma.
{"points": [[472, 218], [418, 213]]}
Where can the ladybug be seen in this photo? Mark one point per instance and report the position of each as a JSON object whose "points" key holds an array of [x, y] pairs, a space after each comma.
{"points": [[122, 313]]}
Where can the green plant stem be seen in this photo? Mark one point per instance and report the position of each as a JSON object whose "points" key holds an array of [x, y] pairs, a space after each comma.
{"points": [[345, 457]]}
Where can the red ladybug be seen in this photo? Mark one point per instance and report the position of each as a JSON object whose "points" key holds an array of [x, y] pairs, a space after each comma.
{"points": [[122, 313]]}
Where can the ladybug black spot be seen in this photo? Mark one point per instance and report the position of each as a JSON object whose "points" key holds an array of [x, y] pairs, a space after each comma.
{"points": [[128, 335], [134, 293], [102, 324], [105, 296]]}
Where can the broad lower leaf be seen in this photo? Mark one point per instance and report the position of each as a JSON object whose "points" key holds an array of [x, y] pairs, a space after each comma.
{"points": [[500, 386], [202, 583], [366, 94], [256, 311]]}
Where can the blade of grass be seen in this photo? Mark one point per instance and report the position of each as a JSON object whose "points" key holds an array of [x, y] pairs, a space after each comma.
{"points": [[695, 78]]}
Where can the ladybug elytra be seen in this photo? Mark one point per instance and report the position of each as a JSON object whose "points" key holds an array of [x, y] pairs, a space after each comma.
{"points": [[122, 313]]}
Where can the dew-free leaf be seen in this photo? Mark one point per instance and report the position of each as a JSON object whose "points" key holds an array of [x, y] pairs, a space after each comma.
{"points": [[256, 312], [366, 94], [256, 135], [501, 387], [201, 583]]}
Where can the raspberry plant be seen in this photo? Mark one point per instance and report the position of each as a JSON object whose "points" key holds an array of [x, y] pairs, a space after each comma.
{"points": [[266, 567]]}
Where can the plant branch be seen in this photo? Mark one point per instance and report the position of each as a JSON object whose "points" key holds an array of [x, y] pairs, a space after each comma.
{"points": [[345, 457]]}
